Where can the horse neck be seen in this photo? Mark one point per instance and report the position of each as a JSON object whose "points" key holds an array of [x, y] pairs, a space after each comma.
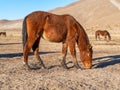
{"points": [[83, 40]]}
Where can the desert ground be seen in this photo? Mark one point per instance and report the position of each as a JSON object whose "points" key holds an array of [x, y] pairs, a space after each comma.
{"points": [[104, 75]]}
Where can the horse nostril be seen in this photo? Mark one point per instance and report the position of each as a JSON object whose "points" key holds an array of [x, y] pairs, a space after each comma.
{"points": [[89, 67]]}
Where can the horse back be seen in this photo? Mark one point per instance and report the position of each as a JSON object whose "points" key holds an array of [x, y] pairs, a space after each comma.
{"points": [[51, 26], [55, 28]]}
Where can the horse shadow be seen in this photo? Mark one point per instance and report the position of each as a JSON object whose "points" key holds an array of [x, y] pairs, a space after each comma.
{"points": [[9, 43], [60, 66], [105, 61], [12, 55], [102, 62]]}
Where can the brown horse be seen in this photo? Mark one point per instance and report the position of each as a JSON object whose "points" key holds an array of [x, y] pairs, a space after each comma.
{"points": [[103, 33], [3, 34], [55, 28]]}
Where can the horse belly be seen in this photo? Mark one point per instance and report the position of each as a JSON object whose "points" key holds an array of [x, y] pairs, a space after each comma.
{"points": [[53, 36]]}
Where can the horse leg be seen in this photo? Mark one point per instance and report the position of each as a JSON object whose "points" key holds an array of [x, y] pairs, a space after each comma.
{"points": [[35, 49], [99, 37], [105, 38], [96, 38], [96, 35], [25, 54], [73, 53], [27, 48], [5, 34], [64, 53]]}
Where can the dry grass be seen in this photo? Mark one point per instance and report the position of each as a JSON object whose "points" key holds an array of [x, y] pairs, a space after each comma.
{"points": [[103, 76]]}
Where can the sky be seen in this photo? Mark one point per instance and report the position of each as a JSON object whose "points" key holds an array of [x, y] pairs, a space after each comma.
{"points": [[18, 9]]}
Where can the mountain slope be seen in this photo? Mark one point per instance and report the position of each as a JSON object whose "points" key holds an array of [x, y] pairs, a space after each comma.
{"points": [[92, 12], [10, 24]]}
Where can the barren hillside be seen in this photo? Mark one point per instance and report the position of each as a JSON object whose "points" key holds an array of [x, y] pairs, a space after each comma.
{"points": [[10, 24], [93, 12]]}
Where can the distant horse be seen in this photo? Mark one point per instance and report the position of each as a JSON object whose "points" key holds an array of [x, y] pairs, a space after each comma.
{"points": [[3, 34], [55, 28], [103, 33]]}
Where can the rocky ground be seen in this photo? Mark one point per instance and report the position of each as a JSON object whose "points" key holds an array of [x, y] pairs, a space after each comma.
{"points": [[105, 75]]}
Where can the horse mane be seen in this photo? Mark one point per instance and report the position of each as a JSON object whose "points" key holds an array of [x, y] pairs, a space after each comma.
{"points": [[82, 39]]}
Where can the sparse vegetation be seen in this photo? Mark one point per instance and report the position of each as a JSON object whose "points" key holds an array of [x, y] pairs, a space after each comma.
{"points": [[105, 74]]}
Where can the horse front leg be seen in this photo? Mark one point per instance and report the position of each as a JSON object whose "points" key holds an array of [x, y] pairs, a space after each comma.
{"points": [[64, 53], [99, 37], [73, 53], [105, 38]]}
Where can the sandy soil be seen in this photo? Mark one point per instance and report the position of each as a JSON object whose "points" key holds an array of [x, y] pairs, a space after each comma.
{"points": [[105, 75]]}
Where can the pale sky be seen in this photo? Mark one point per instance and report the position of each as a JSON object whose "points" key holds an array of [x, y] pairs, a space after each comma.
{"points": [[18, 9]]}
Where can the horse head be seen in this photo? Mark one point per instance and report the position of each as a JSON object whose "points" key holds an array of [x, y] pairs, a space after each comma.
{"points": [[86, 57]]}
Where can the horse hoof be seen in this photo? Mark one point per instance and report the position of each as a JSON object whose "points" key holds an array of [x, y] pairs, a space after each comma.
{"points": [[77, 66], [64, 66], [27, 67], [44, 67]]}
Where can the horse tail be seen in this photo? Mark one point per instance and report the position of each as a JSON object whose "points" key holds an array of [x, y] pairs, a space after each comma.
{"points": [[109, 36], [24, 32]]}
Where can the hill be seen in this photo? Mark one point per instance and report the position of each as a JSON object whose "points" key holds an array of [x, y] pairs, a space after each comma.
{"points": [[93, 13], [10, 24]]}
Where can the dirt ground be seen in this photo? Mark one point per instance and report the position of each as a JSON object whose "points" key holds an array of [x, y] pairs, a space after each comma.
{"points": [[105, 75]]}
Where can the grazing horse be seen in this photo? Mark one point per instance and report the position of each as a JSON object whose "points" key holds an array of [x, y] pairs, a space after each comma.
{"points": [[55, 28], [3, 33], [103, 33]]}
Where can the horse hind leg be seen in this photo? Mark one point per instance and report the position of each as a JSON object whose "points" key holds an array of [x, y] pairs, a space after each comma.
{"points": [[64, 53], [28, 45], [26, 51], [35, 49]]}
